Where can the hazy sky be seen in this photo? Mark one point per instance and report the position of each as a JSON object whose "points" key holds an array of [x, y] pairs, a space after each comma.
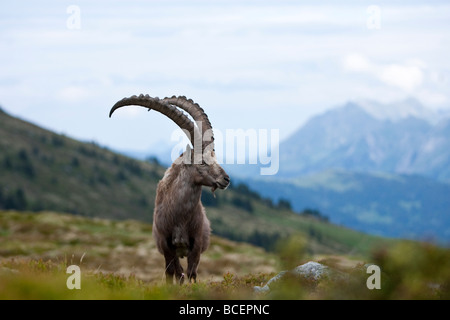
{"points": [[249, 64]]}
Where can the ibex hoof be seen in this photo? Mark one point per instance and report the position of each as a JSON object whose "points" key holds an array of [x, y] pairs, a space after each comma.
{"points": [[182, 278]]}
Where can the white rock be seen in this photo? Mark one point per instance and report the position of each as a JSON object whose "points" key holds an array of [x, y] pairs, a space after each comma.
{"points": [[312, 269]]}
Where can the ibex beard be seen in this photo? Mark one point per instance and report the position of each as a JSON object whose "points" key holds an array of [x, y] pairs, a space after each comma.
{"points": [[180, 226]]}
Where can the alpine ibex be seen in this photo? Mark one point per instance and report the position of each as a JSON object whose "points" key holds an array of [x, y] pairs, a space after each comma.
{"points": [[180, 226]]}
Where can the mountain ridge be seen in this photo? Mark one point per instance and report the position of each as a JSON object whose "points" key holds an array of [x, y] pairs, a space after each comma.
{"points": [[397, 110], [367, 173], [350, 138]]}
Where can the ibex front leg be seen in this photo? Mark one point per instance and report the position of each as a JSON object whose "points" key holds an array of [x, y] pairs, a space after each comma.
{"points": [[193, 260], [173, 266]]}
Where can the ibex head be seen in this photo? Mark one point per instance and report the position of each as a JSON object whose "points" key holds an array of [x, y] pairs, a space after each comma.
{"points": [[208, 172], [200, 161]]}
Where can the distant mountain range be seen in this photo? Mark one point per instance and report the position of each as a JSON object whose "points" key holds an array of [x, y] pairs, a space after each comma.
{"points": [[351, 138], [382, 169]]}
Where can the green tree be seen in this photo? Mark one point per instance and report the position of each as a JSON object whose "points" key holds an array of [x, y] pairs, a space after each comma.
{"points": [[242, 203], [284, 204], [16, 200]]}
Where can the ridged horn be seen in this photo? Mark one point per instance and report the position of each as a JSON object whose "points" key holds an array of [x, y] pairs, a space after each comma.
{"points": [[198, 114], [163, 107]]}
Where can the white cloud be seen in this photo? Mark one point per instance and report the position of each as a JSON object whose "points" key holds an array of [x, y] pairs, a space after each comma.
{"points": [[73, 94], [357, 62], [431, 98], [407, 76]]}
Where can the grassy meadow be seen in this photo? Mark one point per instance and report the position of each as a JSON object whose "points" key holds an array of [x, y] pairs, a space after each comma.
{"points": [[65, 202], [118, 260]]}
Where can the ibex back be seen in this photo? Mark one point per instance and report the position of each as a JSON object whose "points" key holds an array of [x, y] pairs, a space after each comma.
{"points": [[180, 226]]}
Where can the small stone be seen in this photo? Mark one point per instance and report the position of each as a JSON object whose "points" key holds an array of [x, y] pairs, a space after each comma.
{"points": [[312, 269]]}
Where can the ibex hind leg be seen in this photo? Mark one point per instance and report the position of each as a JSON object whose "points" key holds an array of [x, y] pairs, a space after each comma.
{"points": [[193, 262], [170, 268], [173, 267], [179, 274]]}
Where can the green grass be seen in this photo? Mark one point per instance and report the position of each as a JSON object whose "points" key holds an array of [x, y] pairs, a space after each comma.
{"points": [[43, 280], [118, 260], [121, 247]]}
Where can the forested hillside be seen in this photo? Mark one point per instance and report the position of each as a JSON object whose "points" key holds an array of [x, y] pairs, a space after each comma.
{"points": [[42, 170]]}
